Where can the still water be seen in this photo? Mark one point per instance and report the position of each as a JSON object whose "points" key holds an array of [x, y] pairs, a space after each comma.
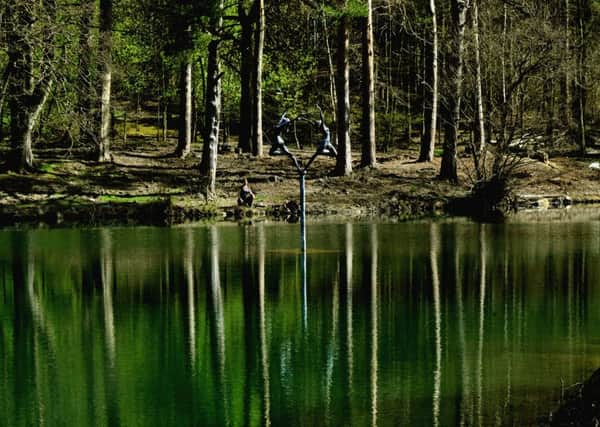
{"points": [[423, 323]]}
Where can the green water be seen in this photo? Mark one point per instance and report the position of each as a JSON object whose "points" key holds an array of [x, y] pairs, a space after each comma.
{"points": [[421, 323]]}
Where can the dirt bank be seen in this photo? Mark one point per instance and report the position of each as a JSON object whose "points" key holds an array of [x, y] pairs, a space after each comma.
{"points": [[144, 184]]}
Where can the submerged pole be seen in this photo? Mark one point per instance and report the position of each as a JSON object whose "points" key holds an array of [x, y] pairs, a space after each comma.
{"points": [[302, 175]]}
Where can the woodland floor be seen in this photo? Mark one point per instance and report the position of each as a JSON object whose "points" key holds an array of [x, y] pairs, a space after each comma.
{"points": [[144, 172]]}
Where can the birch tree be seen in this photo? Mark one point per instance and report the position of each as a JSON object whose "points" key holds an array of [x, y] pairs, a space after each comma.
{"points": [[368, 158], [343, 165], [431, 92], [479, 150], [184, 140], [103, 148], [84, 72], [245, 17], [257, 135], [580, 83], [208, 166]]}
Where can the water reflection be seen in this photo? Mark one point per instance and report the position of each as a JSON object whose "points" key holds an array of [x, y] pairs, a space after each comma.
{"points": [[216, 309], [435, 280], [264, 352], [465, 397], [106, 277], [349, 242], [188, 260], [482, 287], [438, 323], [374, 324]]}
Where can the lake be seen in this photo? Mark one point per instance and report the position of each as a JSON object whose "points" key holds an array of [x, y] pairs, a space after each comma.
{"points": [[420, 323]]}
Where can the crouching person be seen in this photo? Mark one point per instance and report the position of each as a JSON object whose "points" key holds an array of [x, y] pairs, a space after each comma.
{"points": [[246, 196]]}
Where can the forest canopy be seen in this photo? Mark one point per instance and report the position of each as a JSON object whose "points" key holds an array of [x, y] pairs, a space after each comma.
{"points": [[218, 73]]}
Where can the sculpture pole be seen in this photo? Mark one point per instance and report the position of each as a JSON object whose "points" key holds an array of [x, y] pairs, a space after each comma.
{"points": [[324, 148]]}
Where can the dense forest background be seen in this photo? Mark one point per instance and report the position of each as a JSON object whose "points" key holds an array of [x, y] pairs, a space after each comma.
{"points": [[488, 75]]}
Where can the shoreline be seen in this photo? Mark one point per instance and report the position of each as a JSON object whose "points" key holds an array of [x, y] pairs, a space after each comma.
{"points": [[73, 211], [148, 186], [165, 211]]}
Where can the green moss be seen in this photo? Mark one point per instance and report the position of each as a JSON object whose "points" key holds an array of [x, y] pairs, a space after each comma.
{"points": [[48, 167], [141, 130], [130, 199]]}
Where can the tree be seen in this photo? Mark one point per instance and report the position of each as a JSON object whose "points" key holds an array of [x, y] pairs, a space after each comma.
{"points": [[208, 166], [257, 135], [182, 22], [251, 18], [103, 148], [343, 165], [184, 141], [580, 84], [368, 158], [3, 91], [30, 84], [430, 83], [478, 152], [246, 67], [84, 76], [454, 74]]}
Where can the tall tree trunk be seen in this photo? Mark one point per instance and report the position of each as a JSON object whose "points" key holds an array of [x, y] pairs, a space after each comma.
{"points": [[480, 114], [184, 145], [368, 158], [332, 90], [504, 31], [181, 108], [566, 103], [246, 78], [257, 135], [449, 169], [479, 157], [549, 108], [504, 108], [580, 89], [343, 165], [84, 72], [20, 87], [165, 102], [431, 83], [208, 166], [3, 91], [27, 95], [103, 149]]}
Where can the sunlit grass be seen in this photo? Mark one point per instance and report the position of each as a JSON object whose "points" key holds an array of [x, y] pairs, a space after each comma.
{"points": [[109, 198]]}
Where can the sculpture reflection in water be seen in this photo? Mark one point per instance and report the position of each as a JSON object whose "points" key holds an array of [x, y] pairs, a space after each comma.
{"points": [[323, 148]]}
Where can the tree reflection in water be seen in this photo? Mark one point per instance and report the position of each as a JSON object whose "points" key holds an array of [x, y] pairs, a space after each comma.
{"points": [[208, 325]]}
